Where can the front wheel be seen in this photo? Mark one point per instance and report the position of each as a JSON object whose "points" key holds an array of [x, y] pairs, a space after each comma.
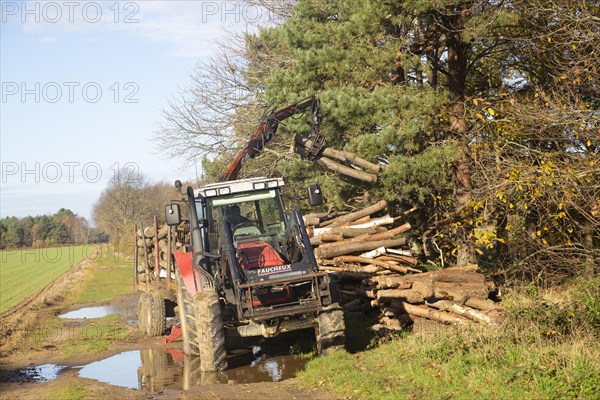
{"points": [[211, 335], [330, 329]]}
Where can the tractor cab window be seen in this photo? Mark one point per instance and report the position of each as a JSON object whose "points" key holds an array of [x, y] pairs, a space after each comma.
{"points": [[256, 215]]}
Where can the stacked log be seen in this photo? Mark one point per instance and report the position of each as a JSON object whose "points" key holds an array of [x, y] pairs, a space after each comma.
{"points": [[458, 296], [149, 241], [362, 241], [378, 274]]}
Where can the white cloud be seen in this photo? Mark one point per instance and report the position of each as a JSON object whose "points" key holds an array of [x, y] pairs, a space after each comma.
{"points": [[188, 26]]}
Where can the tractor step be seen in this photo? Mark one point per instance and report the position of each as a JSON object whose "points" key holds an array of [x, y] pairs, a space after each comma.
{"points": [[175, 334]]}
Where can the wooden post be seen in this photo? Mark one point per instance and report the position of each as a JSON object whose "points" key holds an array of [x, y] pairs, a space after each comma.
{"points": [[147, 262], [424, 312], [135, 258], [169, 257], [156, 254]]}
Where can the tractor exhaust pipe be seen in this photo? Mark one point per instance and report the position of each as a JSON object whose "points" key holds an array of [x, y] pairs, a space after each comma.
{"points": [[194, 225]]}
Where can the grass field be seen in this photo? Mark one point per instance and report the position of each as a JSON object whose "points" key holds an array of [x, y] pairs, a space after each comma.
{"points": [[111, 277], [23, 272]]}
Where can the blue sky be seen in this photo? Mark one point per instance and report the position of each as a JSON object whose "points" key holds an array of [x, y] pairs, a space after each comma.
{"points": [[82, 92]]}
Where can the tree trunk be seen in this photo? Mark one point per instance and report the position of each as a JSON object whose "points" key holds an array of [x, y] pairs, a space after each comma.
{"points": [[446, 305], [391, 233], [362, 260], [425, 312], [359, 214], [457, 73], [346, 232], [588, 243], [342, 169], [407, 295], [482, 304], [341, 248]]}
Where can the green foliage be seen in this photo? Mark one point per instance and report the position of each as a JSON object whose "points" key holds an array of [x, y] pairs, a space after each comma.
{"points": [[420, 178], [497, 145], [345, 50], [45, 230], [573, 313]]}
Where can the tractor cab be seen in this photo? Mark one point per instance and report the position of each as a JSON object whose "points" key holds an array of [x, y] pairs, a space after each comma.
{"points": [[257, 224], [250, 212]]}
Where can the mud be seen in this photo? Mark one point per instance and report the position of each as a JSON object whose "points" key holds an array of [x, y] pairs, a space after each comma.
{"points": [[39, 373]]}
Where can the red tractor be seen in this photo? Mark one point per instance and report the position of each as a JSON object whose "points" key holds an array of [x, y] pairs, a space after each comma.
{"points": [[248, 268]]}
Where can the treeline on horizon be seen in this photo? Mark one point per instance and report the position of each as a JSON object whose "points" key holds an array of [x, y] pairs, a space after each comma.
{"points": [[63, 227], [131, 198]]}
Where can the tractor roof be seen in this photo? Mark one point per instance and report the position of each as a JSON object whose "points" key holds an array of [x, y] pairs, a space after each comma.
{"points": [[239, 186]]}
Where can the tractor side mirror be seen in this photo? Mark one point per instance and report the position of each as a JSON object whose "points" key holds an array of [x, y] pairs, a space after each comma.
{"points": [[173, 214], [315, 195]]}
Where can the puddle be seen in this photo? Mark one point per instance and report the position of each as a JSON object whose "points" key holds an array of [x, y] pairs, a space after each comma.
{"points": [[100, 311], [157, 369], [39, 373]]}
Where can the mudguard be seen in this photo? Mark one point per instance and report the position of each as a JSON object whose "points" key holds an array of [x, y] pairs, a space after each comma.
{"points": [[190, 276]]}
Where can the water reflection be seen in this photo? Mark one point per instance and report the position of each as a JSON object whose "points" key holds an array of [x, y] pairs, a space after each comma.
{"points": [[157, 369], [100, 311]]}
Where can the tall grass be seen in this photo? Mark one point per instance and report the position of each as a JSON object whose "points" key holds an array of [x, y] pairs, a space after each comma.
{"points": [[543, 350]]}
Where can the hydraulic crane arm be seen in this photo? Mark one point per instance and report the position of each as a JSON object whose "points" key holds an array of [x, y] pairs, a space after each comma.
{"points": [[266, 129]]}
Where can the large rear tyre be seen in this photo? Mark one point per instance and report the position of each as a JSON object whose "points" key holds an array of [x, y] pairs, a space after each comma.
{"points": [[187, 317], [330, 330], [157, 319], [211, 335]]}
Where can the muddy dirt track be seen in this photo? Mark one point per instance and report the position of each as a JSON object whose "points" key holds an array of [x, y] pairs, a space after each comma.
{"points": [[42, 356]]}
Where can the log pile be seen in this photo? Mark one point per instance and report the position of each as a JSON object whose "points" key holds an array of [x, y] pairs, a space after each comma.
{"points": [[454, 296], [378, 274], [152, 258]]}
